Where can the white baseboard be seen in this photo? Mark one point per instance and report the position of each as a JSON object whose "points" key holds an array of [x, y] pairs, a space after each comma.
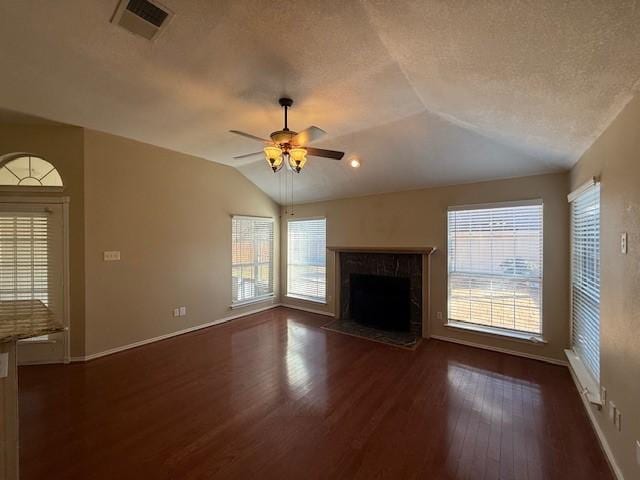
{"points": [[599, 433], [172, 334], [502, 350], [305, 309]]}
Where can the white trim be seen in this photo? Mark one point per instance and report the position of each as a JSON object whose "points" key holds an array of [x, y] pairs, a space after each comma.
{"points": [[589, 387], [582, 188], [534, 338], [66, 282], [507, 204], [111, 351], [305, 309], [301, 219], [608, 453], [251, 301], [502, 350], [321, 301], [252, 217], [44, 200]]}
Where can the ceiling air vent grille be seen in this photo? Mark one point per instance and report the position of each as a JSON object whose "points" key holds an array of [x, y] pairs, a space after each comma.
{"points": [[142, 17]]}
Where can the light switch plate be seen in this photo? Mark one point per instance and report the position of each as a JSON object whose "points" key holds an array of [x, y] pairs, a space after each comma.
{"points": [[439, 315], [4, 365], [176, 312], [638, 451], [624, 240], [183, 311], [111, 256], [603, 395], [612, 412]]}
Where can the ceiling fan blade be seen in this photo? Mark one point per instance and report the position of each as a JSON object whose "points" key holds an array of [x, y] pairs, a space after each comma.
{"points": [[308, 135], [248, 135], [321, 152], [247, 155]]}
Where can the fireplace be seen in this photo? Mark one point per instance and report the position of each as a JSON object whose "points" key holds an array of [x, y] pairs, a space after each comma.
{"points": [[381, 301], [382, 293]]}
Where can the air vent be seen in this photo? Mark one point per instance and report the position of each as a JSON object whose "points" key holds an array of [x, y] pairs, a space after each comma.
{"points": [[142, 17]]}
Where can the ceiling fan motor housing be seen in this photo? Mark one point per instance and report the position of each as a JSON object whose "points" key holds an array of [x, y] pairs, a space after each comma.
{"points": [[282, 137]]}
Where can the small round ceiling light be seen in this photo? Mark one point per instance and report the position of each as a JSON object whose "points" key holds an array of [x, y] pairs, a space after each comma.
{"points": [[355, 163]]}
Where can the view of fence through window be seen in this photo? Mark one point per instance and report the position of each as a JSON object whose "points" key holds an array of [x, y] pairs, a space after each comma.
{"points": [[252, 258], [495, 266], [306, 259]]}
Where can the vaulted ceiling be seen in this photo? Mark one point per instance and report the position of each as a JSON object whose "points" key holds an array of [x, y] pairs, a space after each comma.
{"points": [[424, 92]]}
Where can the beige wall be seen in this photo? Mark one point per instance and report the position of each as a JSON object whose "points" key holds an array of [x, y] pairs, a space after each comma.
{"points": [[63, 147], [615, 157], [418, 218], [169, 215]]}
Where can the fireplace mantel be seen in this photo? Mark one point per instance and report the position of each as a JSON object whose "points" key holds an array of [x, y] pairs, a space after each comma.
{"points": [[424, 251], [364, 249]]}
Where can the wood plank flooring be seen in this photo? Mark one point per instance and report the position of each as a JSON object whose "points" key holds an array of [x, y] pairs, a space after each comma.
{"points": [[274, 396]]}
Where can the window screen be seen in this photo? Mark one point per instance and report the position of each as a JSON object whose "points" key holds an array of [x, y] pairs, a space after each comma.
{"points": [[252, 258], [495, 266], [585, 277], [306, 259]]}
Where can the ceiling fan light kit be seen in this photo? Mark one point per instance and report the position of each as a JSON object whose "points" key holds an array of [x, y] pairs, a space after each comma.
{"points": [[291, 146]]}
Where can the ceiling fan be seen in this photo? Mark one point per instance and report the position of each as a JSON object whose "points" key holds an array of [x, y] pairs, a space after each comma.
{"points": [[291, 146]]}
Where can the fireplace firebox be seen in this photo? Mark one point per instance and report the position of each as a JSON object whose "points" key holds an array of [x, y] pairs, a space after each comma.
{"points": [[381, 301]]}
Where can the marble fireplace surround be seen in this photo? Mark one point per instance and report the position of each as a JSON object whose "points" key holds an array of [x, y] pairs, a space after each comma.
{"points": [[343, 253]]}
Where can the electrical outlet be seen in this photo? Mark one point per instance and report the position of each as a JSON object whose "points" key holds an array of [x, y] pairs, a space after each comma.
{"points": [[638, 452], [183, 311], [4, 365], [618, 421], [176, 312], [111, 256], [439, 315], [612, 412], [624, 240], [603, 395]]}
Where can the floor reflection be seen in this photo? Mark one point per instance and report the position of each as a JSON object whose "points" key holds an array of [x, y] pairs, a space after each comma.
{"points": [[306, 364]]}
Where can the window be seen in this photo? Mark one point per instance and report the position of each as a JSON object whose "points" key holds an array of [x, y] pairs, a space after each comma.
{"points": [[585, 276], [28, 171], [307, 259], [495, 267], [252, 258], [24, 261]]}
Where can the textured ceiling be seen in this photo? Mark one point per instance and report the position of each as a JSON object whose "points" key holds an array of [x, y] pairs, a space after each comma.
{"points": [[424, 92]]}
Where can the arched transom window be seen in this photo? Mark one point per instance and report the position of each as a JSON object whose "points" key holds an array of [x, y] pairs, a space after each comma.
{"points": [[27, 170]]}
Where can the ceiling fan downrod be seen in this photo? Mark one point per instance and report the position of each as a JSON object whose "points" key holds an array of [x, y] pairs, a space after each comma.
{"points": [[285, 103]]}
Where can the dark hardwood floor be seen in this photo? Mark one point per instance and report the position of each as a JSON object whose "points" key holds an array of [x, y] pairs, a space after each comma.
{"points": [[274, 396]]}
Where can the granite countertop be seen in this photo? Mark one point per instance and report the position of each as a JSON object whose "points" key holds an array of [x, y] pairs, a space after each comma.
{"points": [[21, 319]]}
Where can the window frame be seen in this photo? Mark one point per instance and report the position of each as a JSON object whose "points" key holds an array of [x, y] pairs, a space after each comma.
{"points": [[586, 377], [9, 157], [256, 264], [511, 334], [318, 300]]}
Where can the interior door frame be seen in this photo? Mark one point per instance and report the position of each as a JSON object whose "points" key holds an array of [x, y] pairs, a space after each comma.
{"points": [[44, 201]]}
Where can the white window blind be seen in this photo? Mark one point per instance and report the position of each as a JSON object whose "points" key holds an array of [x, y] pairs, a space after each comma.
{"points": [[307, 259], [495, 266], [585, 277], [252, 258], [24, 264]]}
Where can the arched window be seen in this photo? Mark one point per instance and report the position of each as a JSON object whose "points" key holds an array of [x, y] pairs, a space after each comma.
{"points": [[26, 170]]}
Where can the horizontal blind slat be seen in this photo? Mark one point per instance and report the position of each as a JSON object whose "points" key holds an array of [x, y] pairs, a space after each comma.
{"points": [[585, 278], [306, 259], [495, 266]]}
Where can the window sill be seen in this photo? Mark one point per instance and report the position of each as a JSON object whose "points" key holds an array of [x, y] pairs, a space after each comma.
{"points": [[252, 301], [590, 387], [307, 299], [497, 332]]}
